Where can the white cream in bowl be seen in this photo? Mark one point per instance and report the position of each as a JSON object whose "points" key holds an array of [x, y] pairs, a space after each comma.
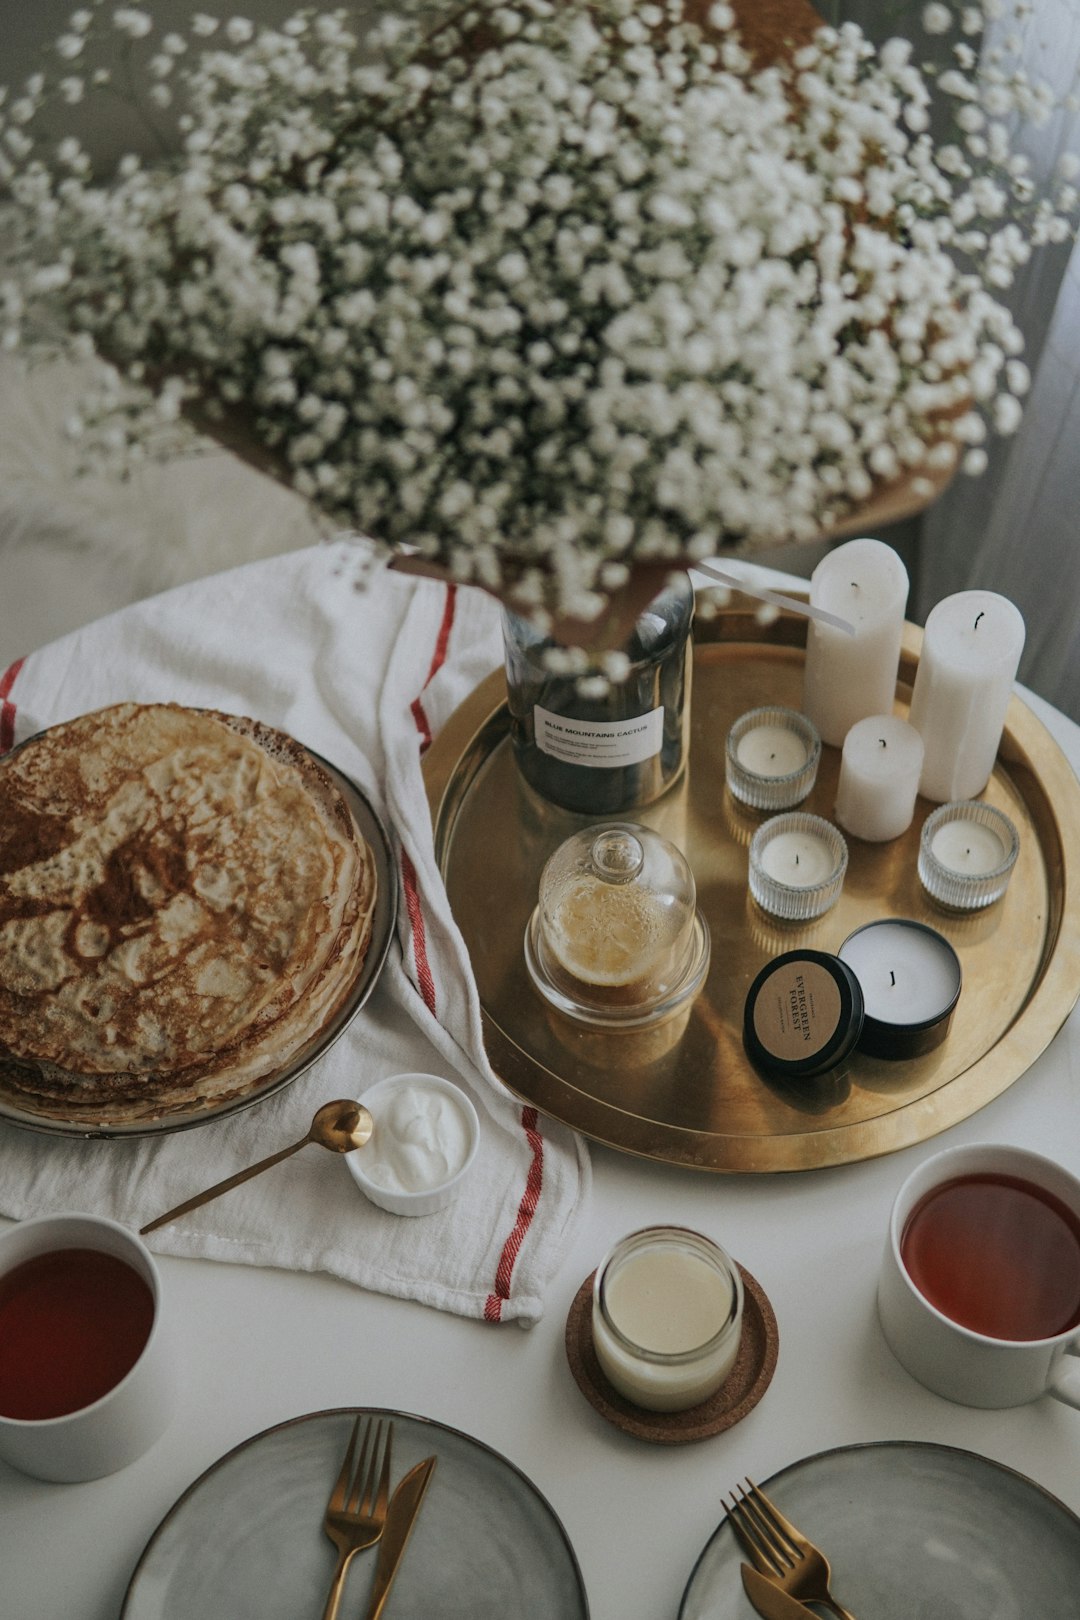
{"points": [[423, 1143]]}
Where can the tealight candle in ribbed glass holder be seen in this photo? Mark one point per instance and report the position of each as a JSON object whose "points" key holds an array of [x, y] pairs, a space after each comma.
{"points": [[966, 854], [772, 758], [797, 866]]}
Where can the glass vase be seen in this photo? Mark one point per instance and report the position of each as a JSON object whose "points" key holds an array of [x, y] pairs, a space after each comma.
{"points": [[604, 747]]}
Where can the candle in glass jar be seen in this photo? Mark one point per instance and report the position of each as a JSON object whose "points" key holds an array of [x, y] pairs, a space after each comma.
{"points": [[771, 757], [967, 853], [799, 859], [848, 677], [797, 866], [967, 848], [771, 751], [667, 1318], [879, 778], [970, 653]]}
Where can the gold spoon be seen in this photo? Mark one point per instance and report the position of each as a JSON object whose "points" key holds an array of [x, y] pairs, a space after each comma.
{"points": [[340, 1126]]}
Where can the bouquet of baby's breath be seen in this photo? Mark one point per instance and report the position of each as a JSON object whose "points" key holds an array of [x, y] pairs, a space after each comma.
{"points": [[541, 289]]}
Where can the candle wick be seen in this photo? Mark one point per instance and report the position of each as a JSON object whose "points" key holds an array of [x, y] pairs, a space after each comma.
{"points": [[892, 977], [796, 860], [881, 740], [978, 616]]}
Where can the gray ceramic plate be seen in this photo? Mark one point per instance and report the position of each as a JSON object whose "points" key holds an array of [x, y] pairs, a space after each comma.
{"points": [[913, 1532], [245, 1542]]}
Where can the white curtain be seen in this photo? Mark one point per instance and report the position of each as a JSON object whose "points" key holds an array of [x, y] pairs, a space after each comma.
{"points": [[1016, 529]]}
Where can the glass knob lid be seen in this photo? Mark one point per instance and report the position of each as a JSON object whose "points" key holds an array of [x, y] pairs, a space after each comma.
{"points": [[617, 855]]}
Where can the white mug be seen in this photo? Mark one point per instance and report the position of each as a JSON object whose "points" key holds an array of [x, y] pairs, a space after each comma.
{"points": [[112, 1431], [952, 1360]]}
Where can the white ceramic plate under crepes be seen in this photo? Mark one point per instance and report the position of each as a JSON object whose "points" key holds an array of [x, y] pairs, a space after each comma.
{"points": [[913, 1531]]}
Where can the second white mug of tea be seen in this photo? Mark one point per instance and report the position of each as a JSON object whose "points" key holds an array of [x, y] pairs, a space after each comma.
{"points": [[86, 1369], [979, 1292]]}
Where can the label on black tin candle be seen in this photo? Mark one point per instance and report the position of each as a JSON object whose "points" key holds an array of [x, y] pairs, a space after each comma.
{"points": [[603, 744], [797, 1011]]}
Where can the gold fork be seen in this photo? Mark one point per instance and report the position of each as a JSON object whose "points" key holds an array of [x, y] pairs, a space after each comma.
{"points": [[779, 1551], [356, 1512]]}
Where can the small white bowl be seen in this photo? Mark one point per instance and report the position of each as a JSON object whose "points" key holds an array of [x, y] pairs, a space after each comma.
{"points": [[430, 1199]]}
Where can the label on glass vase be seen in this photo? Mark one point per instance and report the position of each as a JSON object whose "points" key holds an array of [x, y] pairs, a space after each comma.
{"points": [[601, 744]]}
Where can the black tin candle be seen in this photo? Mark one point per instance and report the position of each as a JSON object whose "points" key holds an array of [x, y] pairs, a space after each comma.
{"points": [[803, 1015], [910, 979]]}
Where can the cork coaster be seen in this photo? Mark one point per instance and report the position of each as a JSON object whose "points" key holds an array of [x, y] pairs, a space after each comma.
{"points": [[740, 1392]]}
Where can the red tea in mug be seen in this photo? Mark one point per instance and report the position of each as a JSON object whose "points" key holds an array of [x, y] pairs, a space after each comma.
{"points": [[997, 1254], [73, 1323]]}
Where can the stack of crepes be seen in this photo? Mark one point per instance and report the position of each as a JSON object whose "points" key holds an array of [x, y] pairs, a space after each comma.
{"points": [[185, 902]]}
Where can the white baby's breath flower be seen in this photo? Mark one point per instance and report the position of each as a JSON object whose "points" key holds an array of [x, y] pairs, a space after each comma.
{"points": [[937, 18], [132, 21], [573, 302]]}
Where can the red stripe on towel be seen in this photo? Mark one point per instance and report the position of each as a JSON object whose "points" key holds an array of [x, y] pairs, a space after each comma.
{"points": [[534, 1185], [424, 976], [7, 708], [534, 1181], [438, 658]]}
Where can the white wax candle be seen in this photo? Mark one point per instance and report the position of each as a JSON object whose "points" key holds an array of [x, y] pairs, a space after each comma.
{"points": [[771, 751], [907, 974], [970, 653], [668, 1302], [879, 778], [799, 859], [850, 677], [968, 847]]}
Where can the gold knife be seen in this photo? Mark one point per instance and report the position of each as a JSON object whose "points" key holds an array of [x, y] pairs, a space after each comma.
{"points": [[771, 1600], [400, 1518]]}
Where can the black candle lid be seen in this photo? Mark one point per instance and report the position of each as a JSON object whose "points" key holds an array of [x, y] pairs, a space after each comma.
{"points": [[803, 1014]]}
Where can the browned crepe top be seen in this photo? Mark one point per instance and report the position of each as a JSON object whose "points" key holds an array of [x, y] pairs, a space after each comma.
{"points": [[177, 889]]}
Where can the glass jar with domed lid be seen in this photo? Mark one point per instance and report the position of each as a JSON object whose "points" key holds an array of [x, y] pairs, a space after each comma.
{"points": [[616, 939]]}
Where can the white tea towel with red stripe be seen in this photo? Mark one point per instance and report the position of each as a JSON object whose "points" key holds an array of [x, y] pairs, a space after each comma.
{"points": [[364, 678]]}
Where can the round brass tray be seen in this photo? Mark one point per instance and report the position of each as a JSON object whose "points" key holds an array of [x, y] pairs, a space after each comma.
{"points": [[686, 1093]]}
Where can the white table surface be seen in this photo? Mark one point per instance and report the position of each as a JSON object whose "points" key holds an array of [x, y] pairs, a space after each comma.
{"points": [[261, 1346]]}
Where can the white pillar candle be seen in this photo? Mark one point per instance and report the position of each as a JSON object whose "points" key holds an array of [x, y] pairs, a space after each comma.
{"points": [[970, 653], [848, 677], [771, 751], [879, 778]]}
